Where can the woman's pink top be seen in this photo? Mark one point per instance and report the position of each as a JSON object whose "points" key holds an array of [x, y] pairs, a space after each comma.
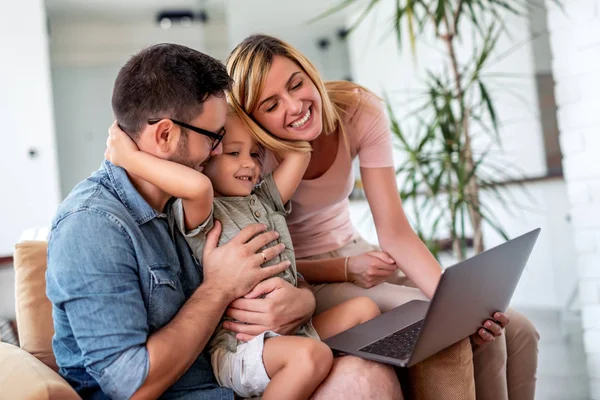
{"points": [[320, 218]]}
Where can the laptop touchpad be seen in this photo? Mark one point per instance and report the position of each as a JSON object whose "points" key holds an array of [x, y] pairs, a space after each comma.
{"points": [[349, 340]]}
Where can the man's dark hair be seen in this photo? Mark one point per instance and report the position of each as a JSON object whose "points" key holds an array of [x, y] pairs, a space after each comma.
{"points": [[166, 81]]}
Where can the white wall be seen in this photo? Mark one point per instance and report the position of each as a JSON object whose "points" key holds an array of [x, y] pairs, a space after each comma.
{"points": [[86, 55], [575, 43], [549, 278], [377, 63], [87, 52], [289, 21], [7, 293], [82, 97], [29, 185], [94, 41]]}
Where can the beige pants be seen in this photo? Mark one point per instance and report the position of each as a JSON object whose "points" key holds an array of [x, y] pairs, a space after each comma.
{"points": [[504, 369]]}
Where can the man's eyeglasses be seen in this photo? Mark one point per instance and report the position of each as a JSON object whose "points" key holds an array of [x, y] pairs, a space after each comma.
{"points": [[214, 137]]}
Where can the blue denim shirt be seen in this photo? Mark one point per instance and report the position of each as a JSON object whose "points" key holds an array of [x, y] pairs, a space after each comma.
{"points": [[118, 271]]}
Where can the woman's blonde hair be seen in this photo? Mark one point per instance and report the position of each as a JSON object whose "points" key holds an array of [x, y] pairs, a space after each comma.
{"points": [[248, 65], [236, 112]]}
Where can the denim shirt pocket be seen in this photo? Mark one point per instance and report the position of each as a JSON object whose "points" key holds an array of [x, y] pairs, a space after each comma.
{"points": [[166, 296]]}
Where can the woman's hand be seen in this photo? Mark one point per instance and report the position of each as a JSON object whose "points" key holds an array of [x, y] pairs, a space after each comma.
{"points": [[492, 328], [119, 146], [370, 269], [273, 305]]}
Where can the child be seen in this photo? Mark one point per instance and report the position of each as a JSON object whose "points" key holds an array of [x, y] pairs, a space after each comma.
{"points": [[278, 367]]}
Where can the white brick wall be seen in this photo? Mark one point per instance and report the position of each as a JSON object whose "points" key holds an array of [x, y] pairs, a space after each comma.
{"points": [[589, 292], [575, 43]]}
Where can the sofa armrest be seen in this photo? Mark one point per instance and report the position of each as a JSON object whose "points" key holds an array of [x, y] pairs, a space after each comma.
{"points": [[33, 309], [22, 376]]}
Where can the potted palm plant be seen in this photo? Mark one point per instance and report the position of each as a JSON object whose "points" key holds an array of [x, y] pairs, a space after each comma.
{"points": [[442, 173]]}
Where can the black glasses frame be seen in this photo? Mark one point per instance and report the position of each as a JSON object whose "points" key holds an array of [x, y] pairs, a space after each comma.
{"points": [[216, 137]]}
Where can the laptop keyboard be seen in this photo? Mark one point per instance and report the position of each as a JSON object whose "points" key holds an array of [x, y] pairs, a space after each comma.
{"points": [[398, 345]]}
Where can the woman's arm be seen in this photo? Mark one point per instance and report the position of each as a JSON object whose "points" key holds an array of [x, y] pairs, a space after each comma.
{"points": [[289, 172], [321, 271], [396, 237], [365, 270], [180, 181]]}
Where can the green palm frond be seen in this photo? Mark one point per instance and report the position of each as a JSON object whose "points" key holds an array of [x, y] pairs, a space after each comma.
{"points": [[443, 175]]}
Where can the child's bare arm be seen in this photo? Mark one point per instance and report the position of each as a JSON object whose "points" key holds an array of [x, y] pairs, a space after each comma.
{"points": [[180, 181], [289, 173]]}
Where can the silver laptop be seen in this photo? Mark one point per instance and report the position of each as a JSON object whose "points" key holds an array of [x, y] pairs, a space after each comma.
{"points": [[468, 294]]}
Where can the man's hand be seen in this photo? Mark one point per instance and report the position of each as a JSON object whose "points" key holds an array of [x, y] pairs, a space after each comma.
{"points": [[371, 268], [234, 268], [119, 146], [492, 328], [273, 305]]}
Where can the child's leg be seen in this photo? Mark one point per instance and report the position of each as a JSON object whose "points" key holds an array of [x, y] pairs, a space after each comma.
{"points": [[345, 316], [297, 366]]}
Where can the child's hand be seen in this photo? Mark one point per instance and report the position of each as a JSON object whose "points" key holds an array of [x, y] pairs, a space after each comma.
{"points": [[283, 154], [292, 155], [119, 146]]}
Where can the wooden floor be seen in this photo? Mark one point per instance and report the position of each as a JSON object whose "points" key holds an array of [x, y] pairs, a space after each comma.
{"points": [[562, 373]]}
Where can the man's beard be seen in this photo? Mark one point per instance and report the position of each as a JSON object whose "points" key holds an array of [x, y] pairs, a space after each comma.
{"points": [[182, 154]]}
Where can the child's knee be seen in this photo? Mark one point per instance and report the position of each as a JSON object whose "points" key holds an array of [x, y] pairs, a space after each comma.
{"points": [[316, 356], [366, 307]]}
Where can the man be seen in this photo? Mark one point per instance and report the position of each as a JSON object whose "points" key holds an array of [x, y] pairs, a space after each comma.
{"points": [[133, 310]]}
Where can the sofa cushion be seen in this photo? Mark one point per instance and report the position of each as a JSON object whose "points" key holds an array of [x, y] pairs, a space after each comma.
{"points": [[22, 376], [33, 309]]}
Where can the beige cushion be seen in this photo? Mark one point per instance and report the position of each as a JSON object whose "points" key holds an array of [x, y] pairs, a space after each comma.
{"points": [[33, 309], [24, 377]]}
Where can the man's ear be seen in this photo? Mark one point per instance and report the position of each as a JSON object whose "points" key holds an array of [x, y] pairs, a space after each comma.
{"points": [[165, 136]]}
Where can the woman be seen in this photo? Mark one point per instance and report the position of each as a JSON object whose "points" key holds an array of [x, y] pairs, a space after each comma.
{"points": [[283, 95]]}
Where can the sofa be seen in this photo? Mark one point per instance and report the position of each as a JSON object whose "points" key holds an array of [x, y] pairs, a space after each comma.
{"points": [[30, 371]]}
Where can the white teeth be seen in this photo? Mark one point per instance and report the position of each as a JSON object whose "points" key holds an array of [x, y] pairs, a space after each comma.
{"points": [[302, 121], [243, 178]]}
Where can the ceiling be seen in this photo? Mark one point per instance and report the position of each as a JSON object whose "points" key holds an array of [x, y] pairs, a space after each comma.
{"points": [[101, 6], [111, 9], [274, 10], [229, 20]]}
